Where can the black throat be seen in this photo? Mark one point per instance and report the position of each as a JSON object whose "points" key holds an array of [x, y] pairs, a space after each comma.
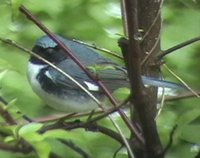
{"points": [[51, 54]]}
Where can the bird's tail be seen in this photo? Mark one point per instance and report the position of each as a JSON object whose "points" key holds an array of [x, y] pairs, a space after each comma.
{"points": [[161, 83]]}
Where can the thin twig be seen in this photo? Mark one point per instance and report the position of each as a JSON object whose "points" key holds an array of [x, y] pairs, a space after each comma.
{"points": [[183, 82], [124, 17], [116, 152], [178, 46], [181, 96], [78, 115], [74, 147], [170, 139], [100, 48], [7, 147], [5, 114], [161, 103], [86, 125], [6, 103]]}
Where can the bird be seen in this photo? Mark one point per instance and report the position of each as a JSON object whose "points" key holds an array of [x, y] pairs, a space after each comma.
{"points": [[62, 94]]}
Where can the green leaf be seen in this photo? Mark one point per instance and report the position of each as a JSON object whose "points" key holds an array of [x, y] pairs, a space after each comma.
{"points": [[97, 68], [9, 139], [10, 104], [188, 117], [190, 133], [30, 133], [58, 133], [121, 93], [2, 74], [9, 130], [29, 128], [42, 148], [5, 65], [63, 134], [166, 121], [12, 82]]}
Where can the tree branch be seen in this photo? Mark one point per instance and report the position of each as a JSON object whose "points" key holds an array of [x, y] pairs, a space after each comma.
{"points": [[186, 95], [170, 140], [7, 147], [5, 114], [178, 46], [144, 100], [86, 125]]}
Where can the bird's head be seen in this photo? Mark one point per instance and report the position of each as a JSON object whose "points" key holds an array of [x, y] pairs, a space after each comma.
{"points": [[49, 50]]}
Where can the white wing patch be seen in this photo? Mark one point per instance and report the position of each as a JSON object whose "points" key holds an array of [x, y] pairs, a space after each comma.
{"points": [[91, 86], [48, 75], [166, 92]]}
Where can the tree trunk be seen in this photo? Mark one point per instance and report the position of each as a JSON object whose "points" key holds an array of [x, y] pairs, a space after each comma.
{"points": [[143, 23]]}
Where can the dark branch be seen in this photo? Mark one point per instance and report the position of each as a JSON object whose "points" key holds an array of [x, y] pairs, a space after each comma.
{"points": [[7, 147], [179, 46], [181, 96], [54, 155], [114, 54], [170, 140], [5, 114], [86, 125]]}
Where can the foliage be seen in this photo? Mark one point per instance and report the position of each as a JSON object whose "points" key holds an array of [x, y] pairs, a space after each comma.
{"points": [[94, 21]]}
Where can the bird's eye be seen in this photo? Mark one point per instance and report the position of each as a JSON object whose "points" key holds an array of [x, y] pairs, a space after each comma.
{"points": [[52, 50], [56, 48], [49, 50]]}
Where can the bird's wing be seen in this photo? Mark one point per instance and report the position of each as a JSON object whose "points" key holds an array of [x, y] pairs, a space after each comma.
{"points": [[111, 76], [71, 69]]}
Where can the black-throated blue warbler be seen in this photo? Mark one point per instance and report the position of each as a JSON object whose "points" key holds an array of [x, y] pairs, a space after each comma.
{"points": [[61, 93]]}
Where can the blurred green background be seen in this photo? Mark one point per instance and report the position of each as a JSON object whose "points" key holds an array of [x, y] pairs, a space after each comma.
{"points": [[99, 22]]}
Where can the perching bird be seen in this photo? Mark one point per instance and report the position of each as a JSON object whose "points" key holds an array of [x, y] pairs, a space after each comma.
{"points": [[59, 92]]}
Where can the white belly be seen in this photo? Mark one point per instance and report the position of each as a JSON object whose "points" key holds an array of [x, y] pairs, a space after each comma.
{"points": [[65, 104]]}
